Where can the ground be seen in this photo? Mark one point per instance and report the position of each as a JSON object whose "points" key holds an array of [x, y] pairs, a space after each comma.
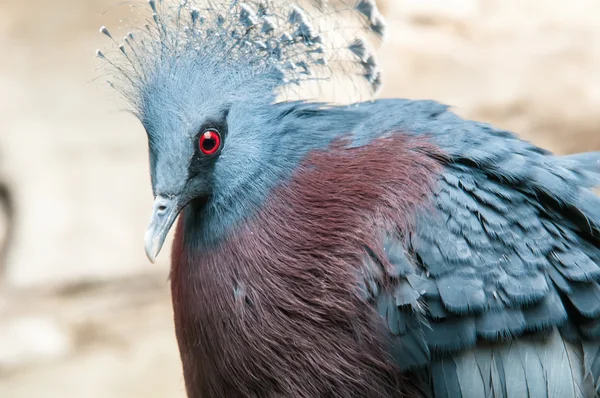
{"points": [[82, 313]]}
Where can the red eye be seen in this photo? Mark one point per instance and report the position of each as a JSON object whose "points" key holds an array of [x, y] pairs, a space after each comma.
{"points": [[210, 141]]}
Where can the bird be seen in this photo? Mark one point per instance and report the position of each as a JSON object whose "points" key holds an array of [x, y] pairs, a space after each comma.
{"points": [[382, 248]]}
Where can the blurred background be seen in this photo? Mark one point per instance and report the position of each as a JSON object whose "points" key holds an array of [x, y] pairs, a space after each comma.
{"points": [[82, 312]]}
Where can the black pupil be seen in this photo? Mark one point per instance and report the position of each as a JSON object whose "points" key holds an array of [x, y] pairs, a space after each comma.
{"points": [[208, 144]]}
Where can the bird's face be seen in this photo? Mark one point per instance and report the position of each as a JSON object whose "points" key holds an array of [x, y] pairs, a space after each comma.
{"points": [[182, 170], [203, 144]]}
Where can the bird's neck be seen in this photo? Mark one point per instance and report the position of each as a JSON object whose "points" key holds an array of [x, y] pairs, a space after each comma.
{"points": [[234, 204], [214, 220]]}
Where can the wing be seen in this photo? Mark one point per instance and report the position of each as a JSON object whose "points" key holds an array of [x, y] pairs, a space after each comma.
{"points": [[511, 249]]}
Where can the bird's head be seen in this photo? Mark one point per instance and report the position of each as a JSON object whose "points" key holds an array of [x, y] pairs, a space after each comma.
{"points": [[204, 81]]}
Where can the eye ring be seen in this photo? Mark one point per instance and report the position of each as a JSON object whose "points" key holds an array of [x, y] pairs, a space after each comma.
{"points": [[210, 142]]}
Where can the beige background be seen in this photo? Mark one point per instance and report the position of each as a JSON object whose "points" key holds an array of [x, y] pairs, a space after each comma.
{"points": [[82, 312]]}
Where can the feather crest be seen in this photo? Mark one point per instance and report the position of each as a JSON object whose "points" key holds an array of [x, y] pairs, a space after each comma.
{"points": [[254, 38]]}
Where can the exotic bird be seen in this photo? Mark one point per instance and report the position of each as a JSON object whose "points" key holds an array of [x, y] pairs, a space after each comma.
{"points": [[387, 248]]}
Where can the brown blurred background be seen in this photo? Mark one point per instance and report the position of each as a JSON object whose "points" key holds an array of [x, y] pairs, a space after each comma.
{"points": [[82, 312]]}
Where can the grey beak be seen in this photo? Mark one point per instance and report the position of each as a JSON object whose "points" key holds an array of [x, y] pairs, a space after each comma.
{"points": [[164, 214]]}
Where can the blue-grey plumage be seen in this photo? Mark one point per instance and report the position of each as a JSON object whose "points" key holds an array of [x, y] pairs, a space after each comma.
{"points": [[494, 293], [513, 249]]}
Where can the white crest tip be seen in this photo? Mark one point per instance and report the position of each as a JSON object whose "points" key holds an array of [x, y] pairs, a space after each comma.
{"points": [[105, 31]]}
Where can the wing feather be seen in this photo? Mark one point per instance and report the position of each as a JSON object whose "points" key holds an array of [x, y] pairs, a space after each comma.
{"points": [[509, 246]]}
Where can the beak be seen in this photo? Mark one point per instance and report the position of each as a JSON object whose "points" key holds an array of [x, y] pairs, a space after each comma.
{"points": [[164, 213]]}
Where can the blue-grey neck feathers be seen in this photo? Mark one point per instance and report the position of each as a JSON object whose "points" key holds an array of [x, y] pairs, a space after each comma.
{"points": [[275, 43]]}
